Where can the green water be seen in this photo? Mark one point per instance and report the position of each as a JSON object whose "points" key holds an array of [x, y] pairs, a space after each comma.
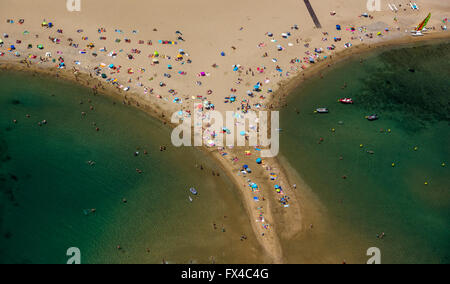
{"points": [[46, 184], [409, 88]]}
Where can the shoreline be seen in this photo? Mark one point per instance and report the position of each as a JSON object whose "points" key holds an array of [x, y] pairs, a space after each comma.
{"points": [[286, 86], [270, 242]]}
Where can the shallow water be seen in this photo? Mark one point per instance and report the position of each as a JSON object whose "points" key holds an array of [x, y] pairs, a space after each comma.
{"points": [[47, 188], [363, 193]]}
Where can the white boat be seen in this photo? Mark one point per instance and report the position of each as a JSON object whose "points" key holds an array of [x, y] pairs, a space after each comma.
{"points": [[322, 110]]}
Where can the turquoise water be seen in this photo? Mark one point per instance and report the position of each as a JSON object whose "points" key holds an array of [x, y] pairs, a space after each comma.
{"points": [[363, 193], [47, 188]]}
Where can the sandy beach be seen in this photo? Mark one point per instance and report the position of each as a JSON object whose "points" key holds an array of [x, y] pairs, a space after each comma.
{"points": [[172, 56]]}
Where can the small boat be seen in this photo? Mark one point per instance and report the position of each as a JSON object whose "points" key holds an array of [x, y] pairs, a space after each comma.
{"points": [[190, 199], [372, 117], [421, 28], [193, 191], [346, 101], [322, 110]]}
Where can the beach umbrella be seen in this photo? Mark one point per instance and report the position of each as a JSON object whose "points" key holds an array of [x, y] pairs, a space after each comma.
{"points": [[245, 166], [338, 27], [259, 161]]}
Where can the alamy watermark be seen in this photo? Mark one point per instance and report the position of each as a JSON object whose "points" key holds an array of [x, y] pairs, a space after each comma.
{"points": [[73, 5], [74, 254], [375, 255], [374, 5], [241, 129]]}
